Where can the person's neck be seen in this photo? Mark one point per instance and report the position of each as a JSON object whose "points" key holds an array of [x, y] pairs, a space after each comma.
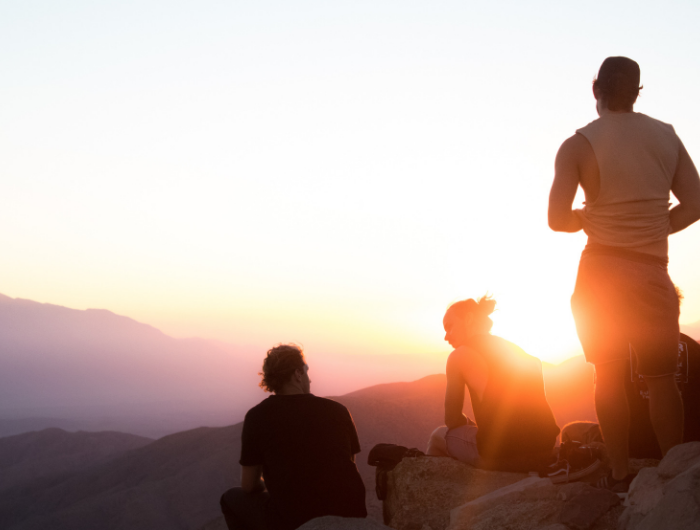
{"points": [[476, 335], [608, 112], [290, 391]]}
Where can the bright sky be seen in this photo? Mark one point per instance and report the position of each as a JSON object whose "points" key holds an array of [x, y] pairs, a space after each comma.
{"points": [[332, 173]]}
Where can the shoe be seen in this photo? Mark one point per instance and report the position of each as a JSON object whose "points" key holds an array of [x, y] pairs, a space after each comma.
{"points": [[620, 487], [580, 462]]}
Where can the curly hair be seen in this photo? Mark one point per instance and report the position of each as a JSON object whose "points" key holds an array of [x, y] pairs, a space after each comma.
{"points": [[279, 365]]}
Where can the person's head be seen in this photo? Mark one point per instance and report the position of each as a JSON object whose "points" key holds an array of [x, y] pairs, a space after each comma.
{"points": [[617, 86], [285, 370], [466, 318]]}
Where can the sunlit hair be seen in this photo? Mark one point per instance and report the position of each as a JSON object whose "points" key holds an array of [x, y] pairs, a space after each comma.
{"points": [[279, 365], [618, 83], [481, 309], [679, 294]]}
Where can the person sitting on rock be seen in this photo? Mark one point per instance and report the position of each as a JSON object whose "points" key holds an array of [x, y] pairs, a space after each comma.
{"points": [[515, 429], [304, 446]]}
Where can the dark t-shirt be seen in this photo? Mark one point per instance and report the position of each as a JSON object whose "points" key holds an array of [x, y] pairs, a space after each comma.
{"points": [[305, 446], [642, 440]]}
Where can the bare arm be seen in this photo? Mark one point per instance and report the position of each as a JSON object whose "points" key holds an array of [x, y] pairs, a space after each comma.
{"points": [[454, 394], [251, 479], [566, 180], [686, 188]]}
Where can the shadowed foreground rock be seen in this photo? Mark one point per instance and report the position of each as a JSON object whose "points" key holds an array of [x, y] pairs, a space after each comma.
{"points": [[666, 497], [535, 503], [422, 491], [432, 493]]}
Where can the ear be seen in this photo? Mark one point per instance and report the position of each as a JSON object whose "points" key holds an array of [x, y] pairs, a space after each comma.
{"points": [[469, 319]]}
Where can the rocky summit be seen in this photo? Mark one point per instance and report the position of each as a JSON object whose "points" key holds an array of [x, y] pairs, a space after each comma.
{"points": [[435, 493], [667, 496]]}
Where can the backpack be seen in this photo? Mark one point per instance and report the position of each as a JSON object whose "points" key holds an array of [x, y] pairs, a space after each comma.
{"points": [[386, 457]]}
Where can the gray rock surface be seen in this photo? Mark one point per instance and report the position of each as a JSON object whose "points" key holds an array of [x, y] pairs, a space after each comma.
{"points": [[331, 522], [536, 504], [583, 510], [443, 494], [422, 491], [666, 497], [679, 459], [530, 503]]}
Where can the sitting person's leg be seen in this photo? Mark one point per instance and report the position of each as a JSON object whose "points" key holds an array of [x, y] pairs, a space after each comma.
{"points": [[244, 511], [460, 444], [436, 444]]}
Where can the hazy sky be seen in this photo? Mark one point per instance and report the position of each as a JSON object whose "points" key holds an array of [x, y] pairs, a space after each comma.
{"points": [[333, 173]]}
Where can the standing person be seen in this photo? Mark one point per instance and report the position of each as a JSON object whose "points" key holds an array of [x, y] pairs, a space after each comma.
{"points": [[627, 164], [515, 429], [303, 447]]}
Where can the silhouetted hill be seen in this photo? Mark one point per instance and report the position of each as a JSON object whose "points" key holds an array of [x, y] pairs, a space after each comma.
{"points": [[94, 370], [171, 483], [692, 330], [40, 455], [175, 482], [80, 365]]}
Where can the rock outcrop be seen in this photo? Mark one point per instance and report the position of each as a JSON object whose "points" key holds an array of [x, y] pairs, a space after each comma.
{"points": [[535, 503], [433, 493], [668, 496], [423, 490]]}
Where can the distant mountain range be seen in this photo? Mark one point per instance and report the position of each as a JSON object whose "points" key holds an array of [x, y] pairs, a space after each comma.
{"points": [[37, 456], [83, 366], [94, 370], [175, 482], [58, 360]]}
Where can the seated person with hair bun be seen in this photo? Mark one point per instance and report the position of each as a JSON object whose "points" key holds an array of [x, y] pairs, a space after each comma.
{"points": [[515, 429], [302, 445]]}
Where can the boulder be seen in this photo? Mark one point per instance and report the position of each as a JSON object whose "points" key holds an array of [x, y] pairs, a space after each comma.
{"points": [[529, 503], [331, 522], [423, 490], [583, 510], [666, 497], [434, 493], [534, 504]]}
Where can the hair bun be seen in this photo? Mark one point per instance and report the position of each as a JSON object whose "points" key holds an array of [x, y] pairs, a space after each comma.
{"points": [[486, 305]]}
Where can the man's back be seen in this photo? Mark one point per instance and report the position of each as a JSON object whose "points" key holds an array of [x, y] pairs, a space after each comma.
{"points": [[305, 445], [626, 163], [636, 158]]}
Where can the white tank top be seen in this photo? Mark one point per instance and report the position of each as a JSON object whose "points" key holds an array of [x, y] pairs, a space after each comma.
{"points": [[637, 157]]}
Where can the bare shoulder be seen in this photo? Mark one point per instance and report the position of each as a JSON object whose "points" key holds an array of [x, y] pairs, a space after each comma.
{"points": [[574, 147], [462, 356]]}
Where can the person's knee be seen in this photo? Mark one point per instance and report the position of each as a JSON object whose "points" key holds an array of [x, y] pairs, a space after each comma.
{"points": [[231, 499], [664, 383], [436, 442], [439, 433]]}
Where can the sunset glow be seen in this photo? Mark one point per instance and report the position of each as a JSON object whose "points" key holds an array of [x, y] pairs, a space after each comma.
{"points": [[334, 174]]}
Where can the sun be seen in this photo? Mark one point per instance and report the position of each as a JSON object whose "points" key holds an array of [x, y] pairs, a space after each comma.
{"points": [[553, 342]]}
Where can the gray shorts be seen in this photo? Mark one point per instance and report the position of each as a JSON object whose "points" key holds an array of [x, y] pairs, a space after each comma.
{"points": [[618, 303], [461, 444]]}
